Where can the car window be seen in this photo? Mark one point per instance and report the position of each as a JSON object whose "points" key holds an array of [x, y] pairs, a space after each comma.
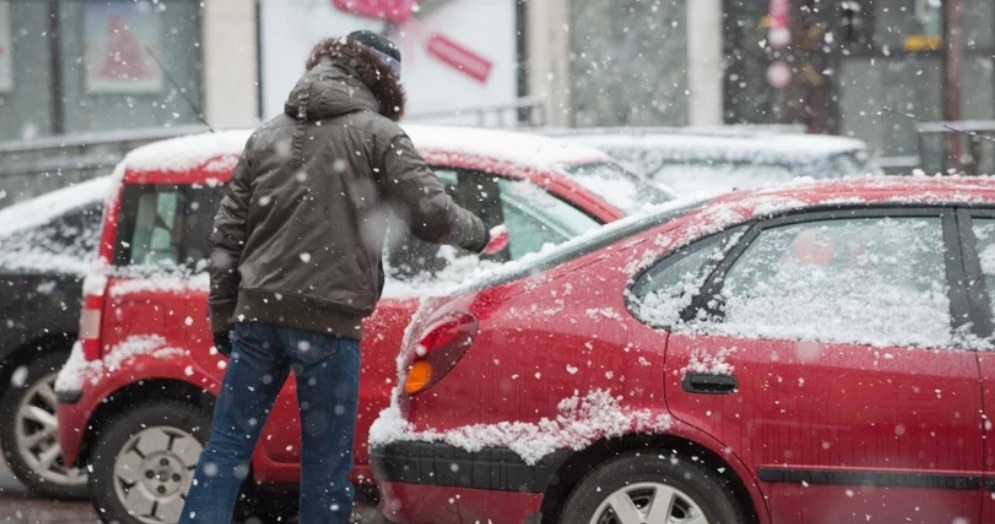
{"points": [[984, 232], [878, 281], [661, 293], [166, 226], [624, 190], [534, 218], [67, 242]]}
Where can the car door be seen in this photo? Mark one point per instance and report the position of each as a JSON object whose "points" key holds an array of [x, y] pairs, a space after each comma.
{"points": [[978, 236], [822, 353]]}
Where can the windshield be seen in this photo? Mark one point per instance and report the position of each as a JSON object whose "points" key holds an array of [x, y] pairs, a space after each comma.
{"points": [[586, 243], [624, 190], [697, 178]]}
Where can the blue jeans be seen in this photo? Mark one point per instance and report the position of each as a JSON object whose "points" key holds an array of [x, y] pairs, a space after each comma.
{"points": [[327, 370]]}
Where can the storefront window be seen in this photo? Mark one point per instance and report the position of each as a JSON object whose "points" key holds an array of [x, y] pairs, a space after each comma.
{"points": [[25, 70], [629, 62], [110, 80]]}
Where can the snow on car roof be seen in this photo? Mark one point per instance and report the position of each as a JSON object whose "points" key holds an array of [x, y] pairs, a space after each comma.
{"points": [[196, 151], [790, 148], [514, 147], [42, 209]]}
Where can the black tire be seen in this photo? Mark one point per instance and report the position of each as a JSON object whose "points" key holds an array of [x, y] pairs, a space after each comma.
{"points": [[699, 490], [119, 471], [27, 413]]}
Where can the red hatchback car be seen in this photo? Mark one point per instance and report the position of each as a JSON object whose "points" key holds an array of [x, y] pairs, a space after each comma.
{"points": [[817, 353], [135, 396]]}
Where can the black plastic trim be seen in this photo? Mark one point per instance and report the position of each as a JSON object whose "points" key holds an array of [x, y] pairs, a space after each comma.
{"points": [[440, 464], [68, 397], [873, 478]]}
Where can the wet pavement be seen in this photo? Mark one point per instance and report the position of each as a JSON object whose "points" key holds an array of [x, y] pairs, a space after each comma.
{"points": [[17, 506]]}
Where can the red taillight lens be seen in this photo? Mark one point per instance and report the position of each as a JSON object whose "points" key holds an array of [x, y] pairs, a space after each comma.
{"points": [[89, 326], [438, 351]]}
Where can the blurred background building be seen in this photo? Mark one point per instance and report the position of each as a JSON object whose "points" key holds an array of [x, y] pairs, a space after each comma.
{"points": [[83, 80]]}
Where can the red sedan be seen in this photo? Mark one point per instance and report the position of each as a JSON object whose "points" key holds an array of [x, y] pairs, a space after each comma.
{"points": [[135, 396], [810, 354]]}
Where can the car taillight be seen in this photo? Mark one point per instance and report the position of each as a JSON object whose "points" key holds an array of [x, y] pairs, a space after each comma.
{"points": [[89, 326], [438, 351]]}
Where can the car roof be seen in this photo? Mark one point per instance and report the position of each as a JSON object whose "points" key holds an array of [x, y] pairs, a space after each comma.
{"points": [[218, 152], [787, 148], [899, 190]]}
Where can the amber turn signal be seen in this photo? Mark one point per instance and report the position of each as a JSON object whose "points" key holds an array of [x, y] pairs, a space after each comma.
{"points": [[419, 375]]}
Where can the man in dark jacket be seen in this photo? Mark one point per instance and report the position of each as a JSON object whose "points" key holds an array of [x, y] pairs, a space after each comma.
{"points": [[296, 267]]}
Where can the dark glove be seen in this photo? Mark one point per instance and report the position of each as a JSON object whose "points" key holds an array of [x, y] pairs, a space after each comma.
{"points": [[222, 342]]}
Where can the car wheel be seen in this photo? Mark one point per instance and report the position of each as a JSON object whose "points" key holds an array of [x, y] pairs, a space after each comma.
{"points": [[144, 462], [653, 488], [29, 434]]}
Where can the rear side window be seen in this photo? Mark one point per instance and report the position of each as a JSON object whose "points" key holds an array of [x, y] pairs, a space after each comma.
{"points": [[166, 226], [879, 281], [68, 242]]}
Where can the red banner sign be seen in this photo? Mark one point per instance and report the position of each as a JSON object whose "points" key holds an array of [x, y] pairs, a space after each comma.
{"points": [[459, 57], [394, 11]]}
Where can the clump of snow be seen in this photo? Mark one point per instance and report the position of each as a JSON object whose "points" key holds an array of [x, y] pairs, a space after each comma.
{"points": [[130, 283], [580, 421], [19, 377], [703, 362], [77, 371]]}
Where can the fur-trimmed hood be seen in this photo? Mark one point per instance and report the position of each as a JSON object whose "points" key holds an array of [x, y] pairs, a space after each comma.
{"points": [[344, 77]]}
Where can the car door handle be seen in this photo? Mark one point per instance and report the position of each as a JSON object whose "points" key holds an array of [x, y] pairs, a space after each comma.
{"points": [[709, 384]]}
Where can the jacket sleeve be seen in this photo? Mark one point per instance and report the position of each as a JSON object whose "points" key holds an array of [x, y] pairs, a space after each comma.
{"points": [[227, 242], [421, 201]]}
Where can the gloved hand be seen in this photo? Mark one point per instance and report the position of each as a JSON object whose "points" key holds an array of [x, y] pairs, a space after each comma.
{"points": [[222, 342], [498, 240]]}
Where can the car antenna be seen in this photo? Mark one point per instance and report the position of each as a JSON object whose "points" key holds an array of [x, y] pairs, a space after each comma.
{"points": [[974, 135], [194, 107]]}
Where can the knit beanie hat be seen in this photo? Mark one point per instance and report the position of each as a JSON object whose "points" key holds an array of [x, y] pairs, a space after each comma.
{"points": [[382, 46]]}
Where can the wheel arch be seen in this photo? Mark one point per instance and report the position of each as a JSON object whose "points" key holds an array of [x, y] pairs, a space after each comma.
{"points": [[35, 348], [580, 463], [133, 394]]}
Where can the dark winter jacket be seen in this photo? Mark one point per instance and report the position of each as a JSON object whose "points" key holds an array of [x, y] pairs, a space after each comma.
{"points": [[299, 236]]}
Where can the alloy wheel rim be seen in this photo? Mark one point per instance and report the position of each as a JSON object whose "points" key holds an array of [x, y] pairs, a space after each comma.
{"points": [[649, 503], [37, 431], [153, 471]]}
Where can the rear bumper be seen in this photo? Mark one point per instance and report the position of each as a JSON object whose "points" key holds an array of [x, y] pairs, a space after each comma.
{"points": [[416, 479]]}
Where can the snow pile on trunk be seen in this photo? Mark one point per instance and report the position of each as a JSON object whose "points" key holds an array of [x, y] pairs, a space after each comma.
{"points": [[580, 421], [77, 371]]}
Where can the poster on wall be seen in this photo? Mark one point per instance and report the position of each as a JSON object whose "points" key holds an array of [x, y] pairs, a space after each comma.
{"points": [[117, 35], [6, 50]]}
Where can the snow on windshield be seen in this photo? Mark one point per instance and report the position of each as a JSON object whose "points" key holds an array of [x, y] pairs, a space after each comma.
{"points": [[624, 190], [43, 209], [57, 232]]}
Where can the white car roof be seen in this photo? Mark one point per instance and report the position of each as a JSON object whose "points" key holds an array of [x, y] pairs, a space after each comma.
{"points": [[187, 152]]}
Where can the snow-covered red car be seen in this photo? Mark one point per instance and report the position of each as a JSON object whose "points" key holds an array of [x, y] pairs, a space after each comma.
{"points": [[135, 396], [817, 353]]}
